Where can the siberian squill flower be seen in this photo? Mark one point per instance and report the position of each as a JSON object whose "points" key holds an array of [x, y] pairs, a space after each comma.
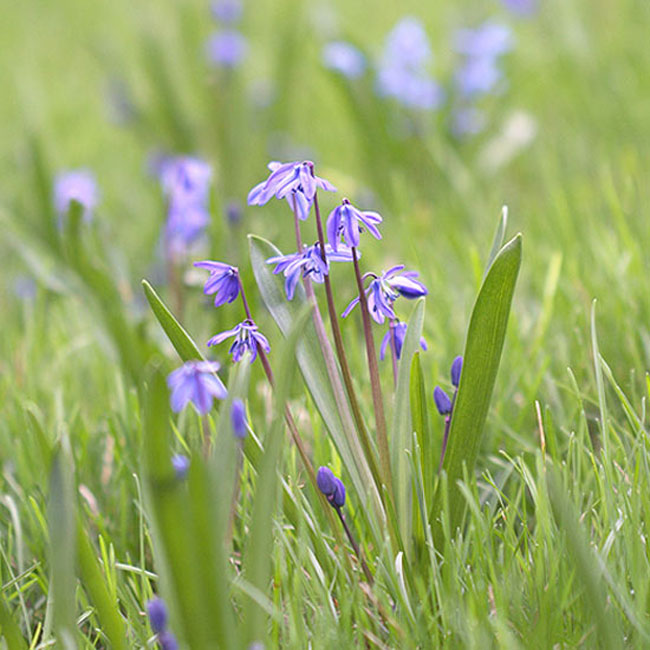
{"points": [[385, 289], [247, 338], [347, 222], [181, 465], [398, 330], [227, 11], [287, 178], [456, 368], [467, 121], [238, 418], [331, 486], [309, 263], [442, 400], [196, 382], [344, 58], [227, 48], [75, 185], [157, 613], [522, 7], [223, 281]]}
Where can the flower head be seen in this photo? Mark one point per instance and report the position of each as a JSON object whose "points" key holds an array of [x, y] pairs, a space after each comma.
{"points": [[442, 400], [167, 641], [309, 263], [407, 43], [227, 11], [522, 7], [385, 289], [331, 486], [398, 330], [247, 338], [223, 281], [157, 613], [227, 48], [456, 367], [344, 58], [477, 77], [76, 185], [181, 465], [293, 180], [238, 418], [196, 382], [347, 222], [489, 40]]}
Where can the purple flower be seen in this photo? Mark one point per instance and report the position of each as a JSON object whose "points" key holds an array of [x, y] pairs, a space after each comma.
{"points": [[247, 338], [489, 40], [181, 465], [407, 43], [344, 58], [234, 212], [167, 641], [309, 263], [186, 184], [227, 48], [331, 486], [522, 7], [456, 367], [76, 185], [223, 281], [157, 613], [399, 330], [347, 222], [227, 11], [238, 418], [467, 121], [285, 178], [477, 76], [196, 382], [384, 290], [442, 400]]}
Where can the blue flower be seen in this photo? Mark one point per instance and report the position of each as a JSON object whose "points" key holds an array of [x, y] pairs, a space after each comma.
{"points": [[522, 7], [489, 40], [227, 48], [238, 418], [167, 641], [331, 486], [384, 290], [477, 77], [181, 465], [399, 330], [456, 367], [196, 382], [75, 185], [247, 338], [223, 281], [347, 222], [344, 58], [309, 263], [467, 121], [186, 184], [442, 400], [407, 43], [287, 178], [227, 11], [157, 613]]}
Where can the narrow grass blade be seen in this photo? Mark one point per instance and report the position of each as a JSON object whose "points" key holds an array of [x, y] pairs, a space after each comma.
{"points": [[179, 338], [485, 337], [9, 629], [499, 237]]}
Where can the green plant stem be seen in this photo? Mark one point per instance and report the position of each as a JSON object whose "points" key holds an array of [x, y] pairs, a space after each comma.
{"points": [[355, 546], [373, 369]]}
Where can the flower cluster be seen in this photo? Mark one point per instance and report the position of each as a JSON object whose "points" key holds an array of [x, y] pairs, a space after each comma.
{"points": [[157, 613], [186, 184], [248, 338], [75, 185], [227, 47]]}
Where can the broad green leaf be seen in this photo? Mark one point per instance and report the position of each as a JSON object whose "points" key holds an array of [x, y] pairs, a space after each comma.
{"points": [[179, 338], [401, 435], [312, 366], [483, 347], [258, 550]]}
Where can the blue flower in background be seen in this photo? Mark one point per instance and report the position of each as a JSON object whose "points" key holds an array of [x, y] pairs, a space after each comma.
{"points": [[407, 44], [157, 613], [288, 178], [238, 418], [467, 121], [75, 185], [247, 338], [344, 58], [167, 641], [385, 289], [309, 263], [489, 40], [522, 7], [227, 48], [347, 222], [223, 281], [331, 486], [196, 382], [181, 465], [227, 11], [397, 329]]}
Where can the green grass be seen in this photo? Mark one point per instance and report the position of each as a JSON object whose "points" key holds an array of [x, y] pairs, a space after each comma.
{"points": [[541, 543]]}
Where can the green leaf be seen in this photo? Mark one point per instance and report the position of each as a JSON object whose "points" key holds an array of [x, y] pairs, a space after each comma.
{"points": [[499, 237], [402, 429], [179, 338], [9, 629], [483, 347]]}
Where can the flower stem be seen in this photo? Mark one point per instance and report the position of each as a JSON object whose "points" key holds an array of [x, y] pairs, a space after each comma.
{"points": [[373, 369], [357, 551]]}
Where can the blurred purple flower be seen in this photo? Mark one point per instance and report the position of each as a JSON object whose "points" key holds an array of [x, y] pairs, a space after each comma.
{"points": [[196, 382], [407, 43], [75, 185], [467, 121], [477, 76], [521, 7], [238, 418], [227, 48], [442, 400], [344, 58], [309, 263], [157, 613], [346, 222], [489, 40], [234, 212], [181, 465], [223, 281], [167, 641], [227, 11], [247, 338], [331, 486], [25, 287], [399, 330]]}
